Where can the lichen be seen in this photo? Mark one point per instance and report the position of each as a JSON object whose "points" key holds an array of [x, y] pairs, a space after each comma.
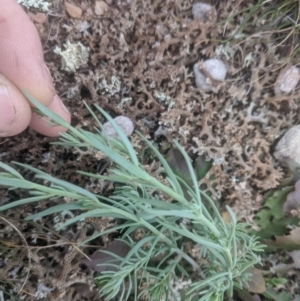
{"points": [[73, 57], [39, 4], [111, 88], [164, 99]]}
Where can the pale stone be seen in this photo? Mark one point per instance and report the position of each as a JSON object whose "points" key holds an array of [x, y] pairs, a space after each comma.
{"points": [[216, 69], [73, 10], [123, 122], [100, 8], [210, 74], [38, 18], [204, 12], [287, 80], [288, 147]]}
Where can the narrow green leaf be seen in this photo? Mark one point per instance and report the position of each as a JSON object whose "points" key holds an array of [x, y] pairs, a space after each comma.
{"points": [[25, 201], [47, 112], [180, 213], [69, 138], [177, 163], [29, 167], [215, 210], [210, 280], [55, 209], [153, 202], [16, 183], [123, 137], [69, 187], [200, 240], [232, 215], [88, 214], [109, 230], [10, 170], [93, 114], [136, 248], [165, 164], [191, 170], [202, 167], [113, 155]]}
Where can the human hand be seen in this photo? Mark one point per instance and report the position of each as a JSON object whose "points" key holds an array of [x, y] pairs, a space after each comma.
{"points": [[22, 67]]}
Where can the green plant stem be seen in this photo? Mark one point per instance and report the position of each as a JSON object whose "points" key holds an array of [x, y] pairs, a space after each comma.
{"points": [[189, 259], [200, 217], [229, 258], [204, 221]]}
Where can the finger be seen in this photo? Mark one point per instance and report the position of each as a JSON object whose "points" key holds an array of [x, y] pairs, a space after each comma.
{"points": [[21, 54], [15, 111], [42, 124]]}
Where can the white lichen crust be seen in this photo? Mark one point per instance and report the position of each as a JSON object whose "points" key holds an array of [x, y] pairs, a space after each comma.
{"points": [[288, 148], [39, 4], [73, 57]]}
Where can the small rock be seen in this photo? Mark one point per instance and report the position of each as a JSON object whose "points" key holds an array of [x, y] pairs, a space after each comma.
{"points": [[38, 18], [293, 199], [287, 80], [100, 8], [123, 122], [204, 12], [85, 290], [210, 74], [74, 11], [216, 69], [288, 147]]}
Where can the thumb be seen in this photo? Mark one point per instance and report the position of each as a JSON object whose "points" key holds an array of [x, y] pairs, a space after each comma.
{"points": [[21, 53]]}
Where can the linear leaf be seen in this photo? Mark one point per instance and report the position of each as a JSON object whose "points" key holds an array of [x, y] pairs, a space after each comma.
{"points": [[191, 170], [165, 164], [16, 183], [153, 202], [123, 137], [180, 213], [55, 209], [69, 187], [196, 238], [25, 201], [10, 170], [47, 112]]}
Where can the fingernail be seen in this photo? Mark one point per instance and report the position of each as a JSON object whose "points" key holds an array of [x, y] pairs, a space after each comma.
{"points": [[48, 77], [8, 113], [62, 105]]}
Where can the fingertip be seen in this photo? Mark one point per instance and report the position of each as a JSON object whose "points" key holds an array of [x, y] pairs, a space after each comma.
{"points": [[42, 125], [15, 111], [22, 58]]}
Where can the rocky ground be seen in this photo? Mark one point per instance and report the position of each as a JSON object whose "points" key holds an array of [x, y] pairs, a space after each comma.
{"points": [[140, 59]]}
